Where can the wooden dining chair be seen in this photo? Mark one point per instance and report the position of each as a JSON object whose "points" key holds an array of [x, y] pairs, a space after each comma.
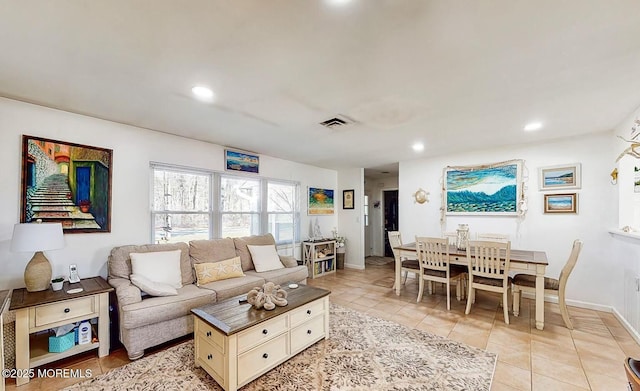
{"points": [[489, 270], [552, 287], [407, 265], [632, 368], [433, 258]]}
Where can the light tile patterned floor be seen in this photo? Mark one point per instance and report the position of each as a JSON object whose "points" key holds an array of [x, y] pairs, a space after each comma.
{"points": [[589, 357]]}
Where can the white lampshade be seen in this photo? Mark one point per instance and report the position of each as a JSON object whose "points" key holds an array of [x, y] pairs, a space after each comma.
{"points": [[29, 237]]}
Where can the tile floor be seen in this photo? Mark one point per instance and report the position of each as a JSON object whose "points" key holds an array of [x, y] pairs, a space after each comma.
{"points": [[587, 358]]}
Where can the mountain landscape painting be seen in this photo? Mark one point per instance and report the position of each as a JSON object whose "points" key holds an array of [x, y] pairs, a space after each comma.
{"points": [[483, 189]]}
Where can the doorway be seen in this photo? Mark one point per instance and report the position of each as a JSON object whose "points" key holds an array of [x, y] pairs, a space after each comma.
{"points": [[390, 218]]}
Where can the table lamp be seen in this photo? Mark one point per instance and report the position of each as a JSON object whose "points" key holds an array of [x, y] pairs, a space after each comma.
{"points": [[37, 237]]}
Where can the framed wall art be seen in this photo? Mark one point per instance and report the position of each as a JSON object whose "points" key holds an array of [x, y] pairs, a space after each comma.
{"points": [[347, 199], [564, 176], [67, 183], [241, 161], [561, 203], [320, 201], [484, 189]]}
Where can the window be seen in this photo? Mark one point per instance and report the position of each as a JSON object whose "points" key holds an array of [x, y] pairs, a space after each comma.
{"points": [[183, 206], [180, 207], [366, 210]]}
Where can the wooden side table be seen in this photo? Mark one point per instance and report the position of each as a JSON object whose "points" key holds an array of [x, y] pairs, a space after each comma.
{"points": [[4, 301], [39, 311]]}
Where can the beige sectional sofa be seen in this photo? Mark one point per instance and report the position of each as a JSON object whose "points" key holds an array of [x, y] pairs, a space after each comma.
{"points": [[148, 321]]}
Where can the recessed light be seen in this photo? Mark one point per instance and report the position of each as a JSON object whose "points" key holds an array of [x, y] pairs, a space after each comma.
{"points": [[533, 126], [418, 147], [338, 2], [203, 93]]}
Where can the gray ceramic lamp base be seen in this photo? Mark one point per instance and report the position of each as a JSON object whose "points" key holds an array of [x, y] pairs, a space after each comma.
{"points": [[37, 274]]}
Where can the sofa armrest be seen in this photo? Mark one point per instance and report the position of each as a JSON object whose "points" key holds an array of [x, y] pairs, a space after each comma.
{"points": [[126, 292], [288, 261]]}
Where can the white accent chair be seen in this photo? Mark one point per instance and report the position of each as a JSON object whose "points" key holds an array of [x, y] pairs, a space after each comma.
{"points": [[489, 270], [552, 287]]}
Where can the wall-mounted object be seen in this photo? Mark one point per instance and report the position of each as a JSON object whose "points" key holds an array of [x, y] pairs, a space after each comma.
{"points": [[320, 201], [561, 203], [347, 199], [563, 176], [614, 176], [58, 178], [376, 204], [421, 196], [241, 161], [489, 189]]}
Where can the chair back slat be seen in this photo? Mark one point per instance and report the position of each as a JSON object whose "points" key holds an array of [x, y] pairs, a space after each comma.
{"points": [[395, 240], [492, 237], [433, 253], [489, 259]]}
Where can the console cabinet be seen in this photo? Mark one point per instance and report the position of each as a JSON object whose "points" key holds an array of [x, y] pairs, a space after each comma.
{"points": [[320, 257]]}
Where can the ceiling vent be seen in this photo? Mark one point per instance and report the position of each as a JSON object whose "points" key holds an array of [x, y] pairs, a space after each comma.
{"points": [[336, 122]]}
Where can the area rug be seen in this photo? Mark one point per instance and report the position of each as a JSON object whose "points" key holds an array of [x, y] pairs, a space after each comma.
{"points": [[378, 261], [363, 353]]}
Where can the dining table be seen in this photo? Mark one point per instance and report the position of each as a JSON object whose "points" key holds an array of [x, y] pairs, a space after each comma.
{"points": [[526, 261]]}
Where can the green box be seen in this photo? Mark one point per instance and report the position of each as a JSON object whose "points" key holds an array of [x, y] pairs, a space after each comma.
{"points": [[62, 343]]}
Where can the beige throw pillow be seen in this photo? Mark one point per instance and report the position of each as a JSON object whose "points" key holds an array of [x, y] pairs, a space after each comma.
{"points": [[265, 258], [216, 271], [159, 266]]}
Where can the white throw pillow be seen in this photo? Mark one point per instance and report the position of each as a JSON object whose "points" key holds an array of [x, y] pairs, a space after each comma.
{"points": [[152, 288], [160, 266], [265, 258]]}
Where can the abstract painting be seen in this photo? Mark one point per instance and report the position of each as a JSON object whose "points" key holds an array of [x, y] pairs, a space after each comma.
{"points": [[241, 161], [485, 189], [320, 201], [565, 176], [66, 183], [561, 203]]}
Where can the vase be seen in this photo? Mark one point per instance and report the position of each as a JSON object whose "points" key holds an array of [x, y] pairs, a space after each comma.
{"points": [[462, 238]]}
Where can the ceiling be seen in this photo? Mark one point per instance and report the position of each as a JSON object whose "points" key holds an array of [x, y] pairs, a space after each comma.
{"points": [[455, 76]]}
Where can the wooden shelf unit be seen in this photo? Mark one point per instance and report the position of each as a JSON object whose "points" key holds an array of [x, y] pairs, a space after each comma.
{"points": [[320, 257]]}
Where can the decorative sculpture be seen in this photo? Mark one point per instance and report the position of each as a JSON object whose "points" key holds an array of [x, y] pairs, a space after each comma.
{"points": [[269, 296]]}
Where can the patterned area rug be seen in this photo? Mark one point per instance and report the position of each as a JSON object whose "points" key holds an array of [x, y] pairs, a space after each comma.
{"points": [[378, 261], [363, 353]]}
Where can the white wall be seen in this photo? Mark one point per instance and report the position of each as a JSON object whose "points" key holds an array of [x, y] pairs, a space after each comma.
{"points": [[553, 234], [350, 221], [133, 149]]}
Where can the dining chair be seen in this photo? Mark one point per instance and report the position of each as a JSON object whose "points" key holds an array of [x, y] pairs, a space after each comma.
{"points": [[492, 237], [433, 258], [552, 287], [632, 368], [488, 263], [407, 265], [452, 237]]}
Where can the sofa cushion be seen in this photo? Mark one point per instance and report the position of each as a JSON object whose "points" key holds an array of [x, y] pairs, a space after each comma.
{"points": [[120, 260], [212, 250], [153, 288], [265, 258], [243, 251], [158, 309], [158, 266], [282, 276], [207, 272], [234, 286]]}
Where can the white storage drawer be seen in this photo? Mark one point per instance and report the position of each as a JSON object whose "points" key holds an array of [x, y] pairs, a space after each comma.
{"points": [[307, 312], [255, 361], [256, 335], [68, 309], [305, 334]]}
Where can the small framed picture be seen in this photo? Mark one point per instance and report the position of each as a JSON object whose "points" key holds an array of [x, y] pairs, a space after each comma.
{"points": [[564, 176], [561, 203], [241, 161], [347, 199]]}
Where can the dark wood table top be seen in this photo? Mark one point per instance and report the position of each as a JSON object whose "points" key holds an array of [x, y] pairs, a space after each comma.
{"points": [[20, 298], [523, 256], [230, 316]]}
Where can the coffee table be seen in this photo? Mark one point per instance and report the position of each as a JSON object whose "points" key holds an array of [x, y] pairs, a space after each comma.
{"points": [[236, 343]]}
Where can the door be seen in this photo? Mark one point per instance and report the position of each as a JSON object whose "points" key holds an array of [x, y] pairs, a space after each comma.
{"points": [[83, 183], [390, 218]]}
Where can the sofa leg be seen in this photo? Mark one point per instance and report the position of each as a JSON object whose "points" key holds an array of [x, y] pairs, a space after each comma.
{"points": [[135, 355]]}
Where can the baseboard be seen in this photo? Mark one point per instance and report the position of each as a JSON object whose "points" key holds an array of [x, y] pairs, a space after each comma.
{"points": [[626, 324], [352, 266]]}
